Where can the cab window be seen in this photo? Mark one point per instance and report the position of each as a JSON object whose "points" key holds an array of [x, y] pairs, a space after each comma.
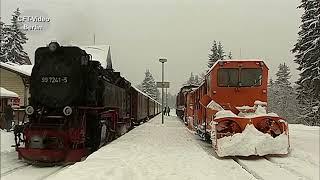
{"points": [[250, 77], [228, 77]]}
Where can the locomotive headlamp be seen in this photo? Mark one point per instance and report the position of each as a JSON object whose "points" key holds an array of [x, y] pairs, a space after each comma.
{"points": [[53, 46], [29, 110], [67, 110]]}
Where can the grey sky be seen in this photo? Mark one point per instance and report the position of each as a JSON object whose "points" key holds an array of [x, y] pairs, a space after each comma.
{"points": [[141, 31]]}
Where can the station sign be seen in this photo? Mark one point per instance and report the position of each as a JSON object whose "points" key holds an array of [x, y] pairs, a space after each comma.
{"points": [[163, 85]]}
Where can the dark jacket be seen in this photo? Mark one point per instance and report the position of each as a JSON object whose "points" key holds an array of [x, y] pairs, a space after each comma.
{"points": [[8, 113]]}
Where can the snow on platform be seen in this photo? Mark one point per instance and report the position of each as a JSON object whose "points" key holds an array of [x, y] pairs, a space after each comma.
{"points": [[154, 151], [7, 140]]}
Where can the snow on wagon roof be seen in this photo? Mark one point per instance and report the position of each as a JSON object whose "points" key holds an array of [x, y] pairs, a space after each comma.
{"points": [[145, 94], [6, 93]]}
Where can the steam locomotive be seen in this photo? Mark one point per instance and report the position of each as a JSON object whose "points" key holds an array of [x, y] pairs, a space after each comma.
{"points": [[76, 106]]}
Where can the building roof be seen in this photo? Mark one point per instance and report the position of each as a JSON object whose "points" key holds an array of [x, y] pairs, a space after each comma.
{"points": [[24, 70], [4, 93]]}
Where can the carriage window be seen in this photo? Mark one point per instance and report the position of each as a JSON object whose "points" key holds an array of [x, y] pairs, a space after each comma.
{"points": [[251, 77], [228, 77]]}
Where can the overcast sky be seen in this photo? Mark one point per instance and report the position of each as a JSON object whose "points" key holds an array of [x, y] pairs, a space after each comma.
{"points": [[142, 31]]}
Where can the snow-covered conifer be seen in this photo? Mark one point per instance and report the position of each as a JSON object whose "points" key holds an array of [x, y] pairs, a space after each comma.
{"points": [[283, 75], [2, 37], [221, 53], [213, 56], [217, 53], [193, 79], [282, 96], [307, 56], [149, 85], [15, 40], [230, 55]]}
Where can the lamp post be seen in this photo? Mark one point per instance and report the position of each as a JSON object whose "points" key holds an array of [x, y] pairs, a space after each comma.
{"points": [[162, 99]]}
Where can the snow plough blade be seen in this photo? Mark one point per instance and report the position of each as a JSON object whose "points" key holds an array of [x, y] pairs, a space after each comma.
{"points": [[244, 136]]}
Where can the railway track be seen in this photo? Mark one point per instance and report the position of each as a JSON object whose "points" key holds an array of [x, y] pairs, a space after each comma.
{"points": [[268, 167], [13, 168], [10, 171], [262, 169], [31, 172]]}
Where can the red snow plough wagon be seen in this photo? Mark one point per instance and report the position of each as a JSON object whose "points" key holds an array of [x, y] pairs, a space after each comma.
{"points": [[229, 108], [76, 106]]}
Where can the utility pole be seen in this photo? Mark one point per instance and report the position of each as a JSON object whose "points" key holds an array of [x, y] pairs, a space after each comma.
{"points": [[162, 99], [94, 39]]}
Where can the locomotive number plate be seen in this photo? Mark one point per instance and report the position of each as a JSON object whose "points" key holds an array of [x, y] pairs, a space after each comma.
{"points": [[54, 80]]}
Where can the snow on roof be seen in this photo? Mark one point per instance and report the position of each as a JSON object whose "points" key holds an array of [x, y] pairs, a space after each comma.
{"points": [[22, 69], [233, 60], [4, 93], [98, 53], [199, 86], [144, 94]]}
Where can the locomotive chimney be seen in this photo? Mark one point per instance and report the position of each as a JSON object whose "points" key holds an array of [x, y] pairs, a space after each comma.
{"points": [[109, 62]]}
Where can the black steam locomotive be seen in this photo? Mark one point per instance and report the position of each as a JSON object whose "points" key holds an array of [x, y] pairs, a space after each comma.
{"points": [[76, 106]]}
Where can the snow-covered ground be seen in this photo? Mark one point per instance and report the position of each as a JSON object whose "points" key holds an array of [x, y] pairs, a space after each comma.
{"points": [[7, 140], [170, 151]]}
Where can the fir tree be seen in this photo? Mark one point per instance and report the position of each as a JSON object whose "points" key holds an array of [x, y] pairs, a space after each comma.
{"points": [[193, 79], [217, 53], [196, 79], [15, 40], [271, 83], [282, 96], [221, 53], [2, 38], [213, 56], [149, 85], [5, 46], [230, 55], [283, 75], [307, 56]]}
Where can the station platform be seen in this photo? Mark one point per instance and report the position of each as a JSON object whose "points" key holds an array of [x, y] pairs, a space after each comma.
{"points": [[154, 151]]}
